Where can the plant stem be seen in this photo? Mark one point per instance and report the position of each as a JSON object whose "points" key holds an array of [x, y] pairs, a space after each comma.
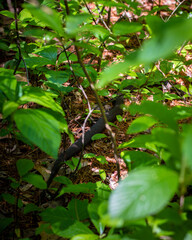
{"points": [[112, 135]]}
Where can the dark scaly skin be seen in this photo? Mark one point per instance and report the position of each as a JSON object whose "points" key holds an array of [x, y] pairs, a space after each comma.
{"points": [[76, 147]]}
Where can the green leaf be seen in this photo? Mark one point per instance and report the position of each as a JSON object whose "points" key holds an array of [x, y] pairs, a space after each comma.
{"points": [[49, 17], [124, 28], [138, 159], [91, 48], [73, 22], [71, 56], [89, 155], [34, 62], [5, 222], [141, 124], [9, 107], [58, 217], [85, 237], [158, 111], [102, 174], [186, 146], [78, 209], [40, 128], [101, 159], [75, 229], [48, 52], [169, 138], [57, 77], [94, 216], [24, 166], [144, 192], [31, 207], [79, 188], [25, 15], [167, 37], [8, 83], [41, 97], [7, 14], [98, 136], [64, 180], [141, 141], [98, 31], [35, 180], [9, 198]]}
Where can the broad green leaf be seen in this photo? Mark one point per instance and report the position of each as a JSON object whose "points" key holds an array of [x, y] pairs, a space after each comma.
{"points": [[11, 199], [78, 209], [85, 237], [7, 14], [94, 216], [91, 48], [48, 52], [79, 188], [40, 33], [138, 159], [111, 73], [186, 146], [98, 136], [31, 207], [49, 17], [41, 97], [116, 47], [59, 87], [71, 56], [98, 31], [58, 217], [144, 192], [141, 124], [126, 27], [101, 159], [9, 107], [5, 222], [62, 222], [89, 155], [73, 22], [4, 46], [8, 83], [75, 229], [64, 180], [171, 139], [57, 77], [24, 166], [114, 4], [166, 38], [102, 174], [25, 15], [40, 128], [34, 62], [158, 111], [35, 180], [142, 141]]}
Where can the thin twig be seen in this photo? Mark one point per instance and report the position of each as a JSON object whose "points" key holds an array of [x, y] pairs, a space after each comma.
{"points": [[180, 3], [102, 19], [83, 139]]}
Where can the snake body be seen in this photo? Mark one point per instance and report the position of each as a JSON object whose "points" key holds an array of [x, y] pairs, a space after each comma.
{"points": [[76, 147]]}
